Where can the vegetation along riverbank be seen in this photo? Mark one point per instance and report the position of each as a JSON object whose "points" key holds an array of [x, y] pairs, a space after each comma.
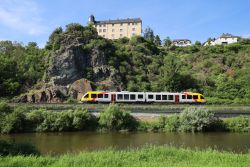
{"points": [[114, 118], [147, 156]]}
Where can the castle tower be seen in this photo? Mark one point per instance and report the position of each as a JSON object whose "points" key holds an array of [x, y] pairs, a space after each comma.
{"points": [[91, 19]]}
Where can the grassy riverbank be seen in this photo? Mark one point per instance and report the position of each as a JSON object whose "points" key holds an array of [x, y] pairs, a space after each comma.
{"points": [[147, 156]]}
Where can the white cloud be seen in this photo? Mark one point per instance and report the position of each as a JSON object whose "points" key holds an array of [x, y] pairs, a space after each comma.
{"points": [[21, 15]]}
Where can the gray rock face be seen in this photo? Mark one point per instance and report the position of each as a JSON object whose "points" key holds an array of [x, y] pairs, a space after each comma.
{"points": [[67, 66], [72, 63]]}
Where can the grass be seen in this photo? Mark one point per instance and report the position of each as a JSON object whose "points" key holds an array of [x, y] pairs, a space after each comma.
{"points": [[159, 156]]}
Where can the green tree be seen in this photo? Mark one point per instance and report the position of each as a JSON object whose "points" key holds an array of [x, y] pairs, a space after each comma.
{"points": [[197, 43], [157, 40], [149, 34], [167, 42]]}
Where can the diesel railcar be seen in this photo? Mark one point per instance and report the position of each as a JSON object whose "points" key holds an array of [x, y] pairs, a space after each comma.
{"points": [[143, 97]]}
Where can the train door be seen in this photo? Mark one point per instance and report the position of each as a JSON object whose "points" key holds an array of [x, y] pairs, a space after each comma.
{"points": [[112, 97], [177, 99]]}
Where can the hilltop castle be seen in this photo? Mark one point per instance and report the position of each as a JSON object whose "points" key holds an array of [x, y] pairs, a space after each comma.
{"points": [[114, 29]]}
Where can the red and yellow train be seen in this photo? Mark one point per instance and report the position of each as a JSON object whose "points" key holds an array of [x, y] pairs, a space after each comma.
{"points": [[143, 97]]}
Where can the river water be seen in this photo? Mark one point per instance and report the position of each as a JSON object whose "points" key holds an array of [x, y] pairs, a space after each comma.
{"points": [[73, 142]]}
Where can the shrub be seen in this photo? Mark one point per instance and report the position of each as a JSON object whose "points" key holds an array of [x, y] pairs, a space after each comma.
{"points": [[196, 120], [14, 122], [172, 123], [79, 119], [34, 119], [115, 118], [238, 124], [84, 120], [148, 126], [4, 108], [12, 148]]}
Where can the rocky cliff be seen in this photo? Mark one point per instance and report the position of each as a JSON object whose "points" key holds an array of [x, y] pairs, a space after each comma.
{"points": [[75, 58]]}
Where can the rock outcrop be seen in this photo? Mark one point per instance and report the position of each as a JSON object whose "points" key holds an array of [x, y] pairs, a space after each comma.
{"points": [[75, 54], [79, 88], [72, 62], [58, 94]]}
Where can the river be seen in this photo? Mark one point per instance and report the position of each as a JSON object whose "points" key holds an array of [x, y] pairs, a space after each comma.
{"points": [[73, 142]]}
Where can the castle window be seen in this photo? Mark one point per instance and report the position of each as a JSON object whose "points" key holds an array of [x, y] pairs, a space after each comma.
{"points": [[133, 29], [104, 30], [103, 36], [128, 24], [104, 25], [120, 35], [100, 30], [133, 34], [113, 30], [113, 35], [113, 25], [133, 23], [121, 24], [120, 30]]}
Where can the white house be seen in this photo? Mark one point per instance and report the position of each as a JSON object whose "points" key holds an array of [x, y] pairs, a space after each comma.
{"points": [[223, 39], [181, 42]]}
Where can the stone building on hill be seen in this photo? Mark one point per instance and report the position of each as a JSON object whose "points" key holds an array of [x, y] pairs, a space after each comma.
{"points": [[114, 29]]}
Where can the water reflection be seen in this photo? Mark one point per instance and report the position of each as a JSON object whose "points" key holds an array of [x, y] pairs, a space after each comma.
{"points": [[58, 143]]}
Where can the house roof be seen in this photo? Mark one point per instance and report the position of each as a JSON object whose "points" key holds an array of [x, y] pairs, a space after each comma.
{"points": [[178, 40], [227, 35], [128, 20]]}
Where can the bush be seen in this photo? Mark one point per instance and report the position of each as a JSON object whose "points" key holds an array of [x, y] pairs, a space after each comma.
{"points": [[12, 148], [196, 120], [84, 120], [172, 123], [14, 122], [149, 126], [48, 124], [4, 108], [238, 124], [79, 119], [115, 118], [34, 119]]}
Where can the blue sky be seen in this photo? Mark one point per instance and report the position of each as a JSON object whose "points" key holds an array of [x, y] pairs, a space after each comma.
{"points": [[34, 20]]}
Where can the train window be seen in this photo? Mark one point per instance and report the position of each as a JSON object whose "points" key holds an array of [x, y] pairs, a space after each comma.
{"points": [[132, 97], [202, 97], [106, 96], [86, 96], [189, 96], [183, 96], [126, 97], [120, 96], [150, 96], [93, 95], [164, 97], [195, 96], [140, 96], [170, 97], [100, 95], [158, 97]]}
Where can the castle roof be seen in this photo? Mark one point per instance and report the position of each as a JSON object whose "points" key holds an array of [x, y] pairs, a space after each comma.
{"points": [[128, 20]]}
